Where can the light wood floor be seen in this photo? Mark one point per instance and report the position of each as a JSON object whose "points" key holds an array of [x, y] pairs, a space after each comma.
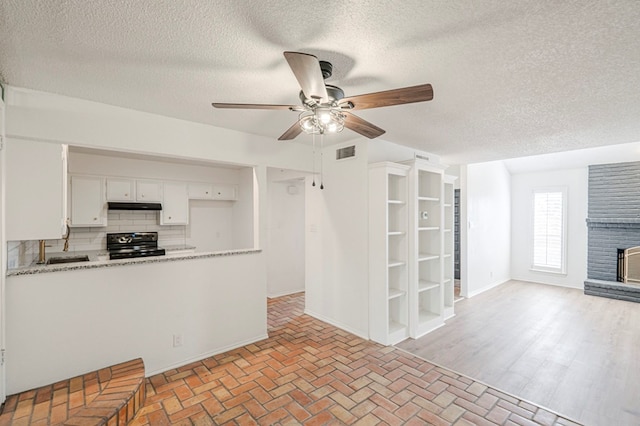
{"points": [[575, 354]]}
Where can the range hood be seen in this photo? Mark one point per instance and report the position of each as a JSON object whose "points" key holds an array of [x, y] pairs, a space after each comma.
{"points": [[133, 206]]}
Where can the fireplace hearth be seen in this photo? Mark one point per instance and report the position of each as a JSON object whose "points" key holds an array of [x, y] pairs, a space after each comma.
{"points": [[612, 290]]}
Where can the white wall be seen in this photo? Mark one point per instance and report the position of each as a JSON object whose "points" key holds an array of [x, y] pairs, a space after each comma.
{"points": [[63, 324], [244, 209], [3, 248], [522, 186], [152, 167], [48, 117], [209, 225], [485, 227], [380, 150], [286, 232], [336, 270]]}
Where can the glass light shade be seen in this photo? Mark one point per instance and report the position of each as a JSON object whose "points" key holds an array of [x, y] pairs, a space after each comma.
{"points": [[321, 120], [324, 115]]}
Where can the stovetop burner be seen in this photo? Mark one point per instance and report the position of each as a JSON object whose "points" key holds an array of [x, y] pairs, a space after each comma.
{"points": [[124, 245]]}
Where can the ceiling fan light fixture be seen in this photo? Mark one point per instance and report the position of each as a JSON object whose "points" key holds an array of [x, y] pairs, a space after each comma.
{"points": [[324, 108], [321, 120], [324, 115]]}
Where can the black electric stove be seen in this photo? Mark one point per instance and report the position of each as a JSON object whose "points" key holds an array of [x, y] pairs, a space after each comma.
{"points": [[125, 245]]}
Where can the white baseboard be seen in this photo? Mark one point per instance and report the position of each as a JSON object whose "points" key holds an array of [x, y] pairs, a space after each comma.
{"points": [[577, 285], [206, 355], [337, 324], [284, 293], [487, 288]]}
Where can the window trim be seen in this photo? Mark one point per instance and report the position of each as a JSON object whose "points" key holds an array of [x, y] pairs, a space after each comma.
{"points": [[562, 270]]}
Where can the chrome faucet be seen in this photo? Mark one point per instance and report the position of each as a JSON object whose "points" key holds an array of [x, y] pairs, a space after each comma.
{"points": [[66, 238]]}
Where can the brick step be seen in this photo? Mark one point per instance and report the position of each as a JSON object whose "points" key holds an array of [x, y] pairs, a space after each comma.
{"points": [[109, 396]]}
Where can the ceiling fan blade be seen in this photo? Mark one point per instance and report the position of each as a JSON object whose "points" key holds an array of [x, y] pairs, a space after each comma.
{"points": [[306, 68], [253, 106], [405, 95], [361, 126], [291, 132]]}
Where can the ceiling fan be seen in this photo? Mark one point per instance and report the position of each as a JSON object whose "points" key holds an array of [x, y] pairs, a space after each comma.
{"points": [[324, 107]]}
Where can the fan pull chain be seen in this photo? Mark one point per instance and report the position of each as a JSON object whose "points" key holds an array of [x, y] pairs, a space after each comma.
{"points": [[313, 138], [321, 160]]}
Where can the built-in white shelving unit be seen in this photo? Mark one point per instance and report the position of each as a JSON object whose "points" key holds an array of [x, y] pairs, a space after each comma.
{"points": [[426, 236], [411, 255], [389, 252]]}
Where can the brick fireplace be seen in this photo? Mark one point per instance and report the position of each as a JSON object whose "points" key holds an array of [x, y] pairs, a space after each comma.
{"points": [[613, 224]]}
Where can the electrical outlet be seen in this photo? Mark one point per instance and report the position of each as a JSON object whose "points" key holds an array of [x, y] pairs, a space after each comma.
{"points": [[177, 340]]}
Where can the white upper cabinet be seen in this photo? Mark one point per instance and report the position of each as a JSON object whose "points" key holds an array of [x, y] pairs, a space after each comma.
{"points": [[120, 189], [200, 191], [36, 190], [175, 207], [149, 191], [225, 192], [88, 203]]}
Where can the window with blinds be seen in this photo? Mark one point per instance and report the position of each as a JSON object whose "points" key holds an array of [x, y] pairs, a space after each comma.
{"points": [[549, 230]]}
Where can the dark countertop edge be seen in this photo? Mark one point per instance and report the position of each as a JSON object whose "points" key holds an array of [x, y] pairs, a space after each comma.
{"points": [[32, 270]]}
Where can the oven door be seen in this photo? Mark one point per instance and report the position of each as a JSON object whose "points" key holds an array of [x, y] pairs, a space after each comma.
{"points": [[135, 252]]}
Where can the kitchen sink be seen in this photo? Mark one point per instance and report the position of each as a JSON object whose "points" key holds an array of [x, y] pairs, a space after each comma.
{"points": [[70, 259]]}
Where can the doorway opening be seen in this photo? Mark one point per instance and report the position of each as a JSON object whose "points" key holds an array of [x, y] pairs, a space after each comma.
{"points": [[285, 232]]}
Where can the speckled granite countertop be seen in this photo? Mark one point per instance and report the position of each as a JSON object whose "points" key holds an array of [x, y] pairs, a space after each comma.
{"points": [[100, 259], [178, 247]]}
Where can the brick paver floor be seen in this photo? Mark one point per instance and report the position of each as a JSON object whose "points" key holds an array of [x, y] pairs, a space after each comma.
{"points": [[308, 372]]}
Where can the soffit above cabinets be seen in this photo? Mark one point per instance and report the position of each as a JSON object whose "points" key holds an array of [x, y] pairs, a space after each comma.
{"points": [[153, 157]]}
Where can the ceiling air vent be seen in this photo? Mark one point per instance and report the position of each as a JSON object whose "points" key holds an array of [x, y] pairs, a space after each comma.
{"points": [[346, 152]]}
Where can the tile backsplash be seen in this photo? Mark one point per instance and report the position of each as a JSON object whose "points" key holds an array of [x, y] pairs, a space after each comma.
{"points": [[23, 253]]}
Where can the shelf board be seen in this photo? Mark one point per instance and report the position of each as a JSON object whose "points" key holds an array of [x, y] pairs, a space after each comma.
{"points": [[426, 316], [447, 205], [400, 202], [429, 228], [390, 233], [447, 229], [424, 285], [435, 199], [447, 255], [395, 326], [394, 262], [447, 280], [427, 256], [394, 293]]}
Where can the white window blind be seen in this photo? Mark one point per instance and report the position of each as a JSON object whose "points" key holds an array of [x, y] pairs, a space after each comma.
{"points": [[549, 230]]}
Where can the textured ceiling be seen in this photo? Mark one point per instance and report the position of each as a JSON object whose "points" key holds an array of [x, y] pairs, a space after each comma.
{"points": [[510, 78]]}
